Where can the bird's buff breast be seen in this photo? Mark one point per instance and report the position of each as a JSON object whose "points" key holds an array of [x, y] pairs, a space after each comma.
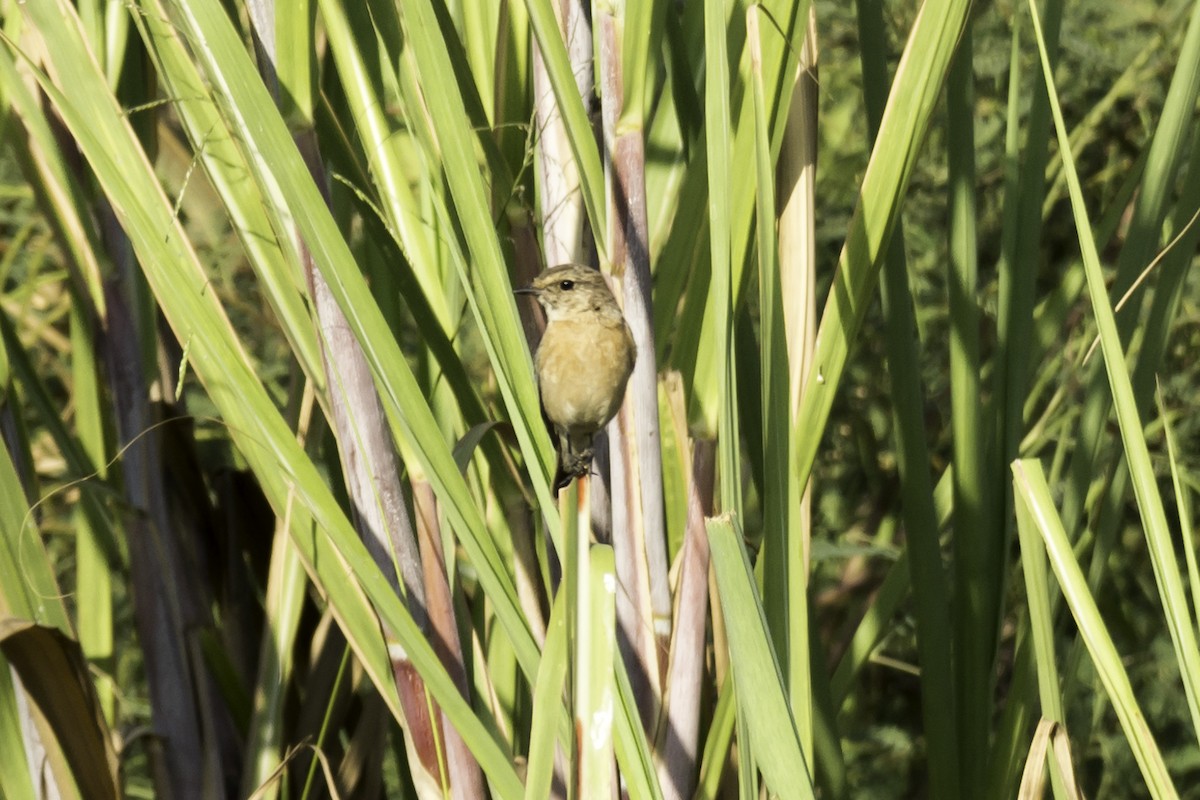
{"points": [[582, 371]]}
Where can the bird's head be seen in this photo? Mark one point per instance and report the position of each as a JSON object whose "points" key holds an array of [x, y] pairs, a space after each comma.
{"points": [[572, 291]]}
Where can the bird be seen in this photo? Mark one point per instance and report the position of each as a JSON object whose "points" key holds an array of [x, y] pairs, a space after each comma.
{"points": [[583, 361]]}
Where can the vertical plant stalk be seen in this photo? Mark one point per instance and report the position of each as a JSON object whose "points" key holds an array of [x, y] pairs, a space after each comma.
{"points": [[155, 562], [526, 571], [721, 416], [628, 248], [635, 640], [372, 475], [676, 741], [563, 219], [466, 780], [369, 462]]}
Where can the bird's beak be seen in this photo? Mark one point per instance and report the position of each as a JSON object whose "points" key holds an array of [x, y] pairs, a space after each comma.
{"points": [[527, 290]]}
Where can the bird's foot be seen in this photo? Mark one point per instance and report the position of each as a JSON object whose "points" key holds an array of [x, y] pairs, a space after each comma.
{"points": [[578, 464], [572, 463]]}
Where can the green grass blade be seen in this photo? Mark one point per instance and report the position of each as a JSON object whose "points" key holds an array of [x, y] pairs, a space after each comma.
{"points": [[248, 204], [717, 143], [632, 750], [1173, 134], [173, 270], [1141, 471], [915, 92], [718, 315], [285, 595], [762, 696], [785, 579], [980, 565], [1029, 484], [246, 102], [1020, 238], [352, 41], [93, 574], [716, 746], [28, 587], [1182, 504], [1037, 591], [485, 275], [926, 572], [547, 703]]}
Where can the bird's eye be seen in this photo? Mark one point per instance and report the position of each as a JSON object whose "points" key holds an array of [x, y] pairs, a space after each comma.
{"points": [[566, 286]]}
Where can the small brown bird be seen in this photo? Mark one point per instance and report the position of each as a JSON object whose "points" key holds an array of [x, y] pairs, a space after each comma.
{"points": [[582, 363]]}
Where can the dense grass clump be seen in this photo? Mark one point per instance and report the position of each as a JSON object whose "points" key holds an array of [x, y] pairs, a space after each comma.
{"points": [[899, 501]]}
